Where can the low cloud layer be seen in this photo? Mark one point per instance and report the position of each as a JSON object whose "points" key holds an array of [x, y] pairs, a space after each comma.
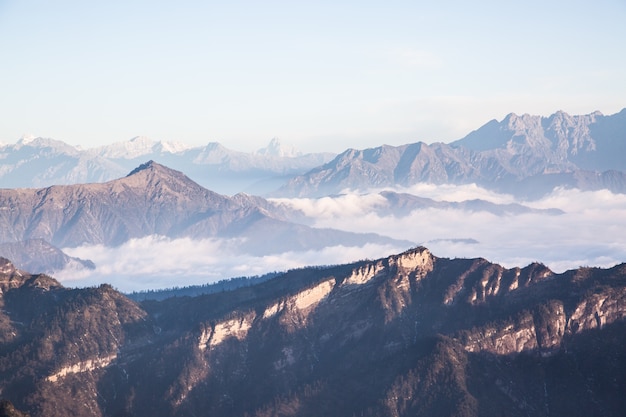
{"points": [[158, 262], [591, 232]]}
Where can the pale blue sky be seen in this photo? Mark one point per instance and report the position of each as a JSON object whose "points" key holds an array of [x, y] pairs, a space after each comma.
{"points": [[322, 75]]}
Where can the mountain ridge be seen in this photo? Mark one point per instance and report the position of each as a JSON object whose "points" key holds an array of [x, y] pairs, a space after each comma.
{"points": [[39, 162], [156, 200], [404, 335], [514, 152], [504, 156]]}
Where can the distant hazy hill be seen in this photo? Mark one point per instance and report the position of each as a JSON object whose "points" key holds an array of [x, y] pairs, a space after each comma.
{"points": [[406, 335], [39, 256], [526, 155], [41, 162], [403, 204], [156, 200]]}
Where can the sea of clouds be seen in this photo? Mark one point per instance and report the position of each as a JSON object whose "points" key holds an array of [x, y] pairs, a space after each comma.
{"points": [[590, 232]]}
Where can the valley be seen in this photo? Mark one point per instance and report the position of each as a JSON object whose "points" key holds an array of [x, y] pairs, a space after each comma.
{"points": [[150, 294]]}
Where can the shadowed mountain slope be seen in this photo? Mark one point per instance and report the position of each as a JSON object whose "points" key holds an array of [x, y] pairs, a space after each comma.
{"points": [[410, 334]]}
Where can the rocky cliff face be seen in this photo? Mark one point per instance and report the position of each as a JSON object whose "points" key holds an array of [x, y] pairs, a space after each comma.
{"points": [[410, 334]]}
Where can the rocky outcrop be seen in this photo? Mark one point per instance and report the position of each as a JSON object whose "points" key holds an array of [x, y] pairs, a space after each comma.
{"points": [[84, 366], [409, 334], [10, 276]]}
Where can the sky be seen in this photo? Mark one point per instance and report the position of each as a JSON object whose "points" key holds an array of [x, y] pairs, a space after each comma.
{"points": [[322, 76]]}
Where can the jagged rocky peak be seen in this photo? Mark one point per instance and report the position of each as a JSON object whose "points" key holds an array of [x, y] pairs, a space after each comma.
{"points": [[152, 170], [159, 180], [43, 282], [521, 123], [150, 165], [418, 258]]}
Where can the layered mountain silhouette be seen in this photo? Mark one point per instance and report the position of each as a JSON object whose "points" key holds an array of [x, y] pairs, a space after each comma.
{"points": [[156, 200], [42, 162], [402, 204], [524, 155], [407, 335], [39, 256]]}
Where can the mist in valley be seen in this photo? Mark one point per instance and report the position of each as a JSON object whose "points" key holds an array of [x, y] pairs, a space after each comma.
{"points": [[590, 231]]}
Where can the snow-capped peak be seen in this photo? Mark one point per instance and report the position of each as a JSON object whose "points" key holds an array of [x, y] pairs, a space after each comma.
{"points": [[276, 148], [139, 146], [26, 139], [174, 147]]}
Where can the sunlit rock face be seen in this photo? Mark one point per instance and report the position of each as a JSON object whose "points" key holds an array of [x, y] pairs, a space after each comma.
{"points": [[409, 334]]}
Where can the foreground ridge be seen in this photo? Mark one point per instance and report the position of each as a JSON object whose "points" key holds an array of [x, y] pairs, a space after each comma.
{"points": [[408, 334]]}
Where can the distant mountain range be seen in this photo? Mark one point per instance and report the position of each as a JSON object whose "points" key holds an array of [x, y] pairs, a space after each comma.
{"points": [[42, 162], [402, 204], [406, 335], [39, 256], [523, 155], [156, 200]]}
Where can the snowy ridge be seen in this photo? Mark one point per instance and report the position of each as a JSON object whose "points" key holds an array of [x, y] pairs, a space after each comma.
{"points": [[40, 162], [138, 147], [276, 148]]}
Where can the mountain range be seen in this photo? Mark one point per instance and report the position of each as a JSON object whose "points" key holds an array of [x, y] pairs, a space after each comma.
{"points": [[523, 155], [42, 162], [156, 200], [411, 334], [406, 335]]}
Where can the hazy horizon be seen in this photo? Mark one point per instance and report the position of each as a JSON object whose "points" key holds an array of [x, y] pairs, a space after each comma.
{"points": [[325, 76], [260, 146]]}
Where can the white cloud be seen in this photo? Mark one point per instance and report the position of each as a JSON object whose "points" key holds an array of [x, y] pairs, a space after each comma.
{"points": [[159, 262], [345, 205], [591, 232]]}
